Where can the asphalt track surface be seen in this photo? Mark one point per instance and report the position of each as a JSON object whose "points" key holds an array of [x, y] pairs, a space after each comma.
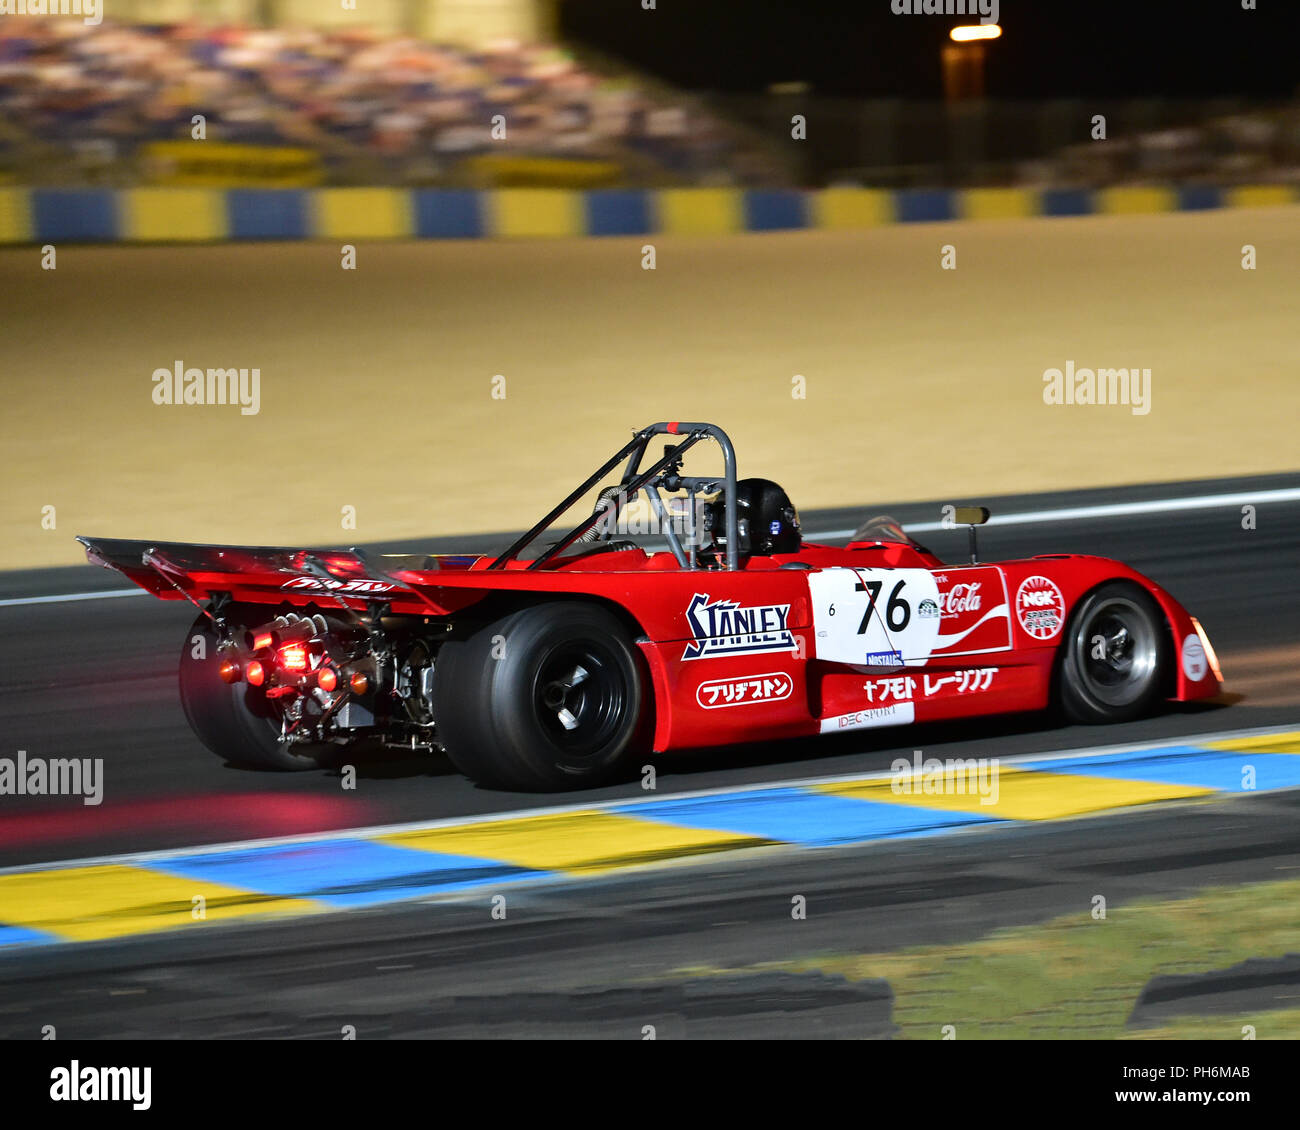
{"points": [[603, 959], [97, 678]]}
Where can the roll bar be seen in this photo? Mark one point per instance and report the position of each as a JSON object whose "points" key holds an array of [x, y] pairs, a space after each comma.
{"points": [[635, 480]]}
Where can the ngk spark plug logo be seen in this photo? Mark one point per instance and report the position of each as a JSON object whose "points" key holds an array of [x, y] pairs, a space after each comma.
{"points": [[1040, 607], [717, 693], [725, 628], [315, 584]]}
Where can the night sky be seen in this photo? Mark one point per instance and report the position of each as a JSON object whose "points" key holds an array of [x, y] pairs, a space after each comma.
{"points": [[1049, 49]]}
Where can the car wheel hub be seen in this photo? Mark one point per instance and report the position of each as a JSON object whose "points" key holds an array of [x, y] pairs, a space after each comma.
{"points": [[1116, 651], [580, 698]]}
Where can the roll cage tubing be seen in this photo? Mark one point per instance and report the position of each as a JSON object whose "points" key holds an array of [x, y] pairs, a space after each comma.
{"points": [[634, 480]]}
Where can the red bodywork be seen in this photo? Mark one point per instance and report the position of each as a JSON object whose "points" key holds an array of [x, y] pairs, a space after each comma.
{"points": [[829, 639]]}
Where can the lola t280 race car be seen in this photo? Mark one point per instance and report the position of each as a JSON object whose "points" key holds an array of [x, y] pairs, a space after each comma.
{"points": [[556, 669]]}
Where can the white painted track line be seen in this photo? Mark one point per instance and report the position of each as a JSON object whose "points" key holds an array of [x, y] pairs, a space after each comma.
{"points": [[1107, 510], [1025, 518], [63, 598]]}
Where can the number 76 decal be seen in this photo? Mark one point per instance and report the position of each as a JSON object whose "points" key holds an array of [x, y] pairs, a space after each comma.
{"points": [[864, 613], [896, 604]]}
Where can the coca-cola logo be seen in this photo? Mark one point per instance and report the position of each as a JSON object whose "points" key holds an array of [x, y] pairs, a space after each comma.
{"points": [[1040, 607], [964, 597]]}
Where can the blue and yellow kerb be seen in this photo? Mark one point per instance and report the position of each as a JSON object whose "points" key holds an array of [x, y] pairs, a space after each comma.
{"points": [[187, 215], [136, 895]]}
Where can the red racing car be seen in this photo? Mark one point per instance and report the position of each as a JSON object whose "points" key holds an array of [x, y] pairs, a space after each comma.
{"points": [[557, 668]]}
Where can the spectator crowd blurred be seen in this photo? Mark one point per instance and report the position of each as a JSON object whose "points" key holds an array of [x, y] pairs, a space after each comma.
{"points": [[80, 103], [98, 105]]}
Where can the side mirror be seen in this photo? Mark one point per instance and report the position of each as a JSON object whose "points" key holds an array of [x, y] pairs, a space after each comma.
{"points": [[972, 516]]}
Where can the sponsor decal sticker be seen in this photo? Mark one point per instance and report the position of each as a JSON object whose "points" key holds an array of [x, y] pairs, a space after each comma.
{"points": [[723, 627], [972, 624], [897, 689], [884, 659], [927, 609], [1195, 663], [717, 693], [1040, 607], [895, 714], [961, 682], [964, 597], [317, 585], [902, 688]]}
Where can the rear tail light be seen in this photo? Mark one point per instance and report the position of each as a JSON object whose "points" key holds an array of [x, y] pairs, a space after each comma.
{"points": [[229, 671], [293, 658], [255, 673]]}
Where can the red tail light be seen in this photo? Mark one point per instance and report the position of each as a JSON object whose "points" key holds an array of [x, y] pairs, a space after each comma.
{"points": [[255, 673], [293, 658]]}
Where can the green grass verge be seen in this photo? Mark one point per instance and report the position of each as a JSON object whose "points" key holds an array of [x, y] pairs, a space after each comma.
{"points": [[1077, 977]]}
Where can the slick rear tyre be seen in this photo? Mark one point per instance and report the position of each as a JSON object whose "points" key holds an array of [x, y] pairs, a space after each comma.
{"points": [[233, 720], [548, 698], [1116, 656]]}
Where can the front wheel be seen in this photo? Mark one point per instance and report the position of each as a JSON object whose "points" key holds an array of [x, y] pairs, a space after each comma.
{"points": [[1116, 655], [550, 697]]}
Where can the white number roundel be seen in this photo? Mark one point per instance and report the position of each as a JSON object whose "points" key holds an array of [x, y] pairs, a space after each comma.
{"points": [[874, 617]]}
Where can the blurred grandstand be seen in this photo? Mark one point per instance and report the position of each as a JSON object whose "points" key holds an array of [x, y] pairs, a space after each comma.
{"points": [[898, 143], [292, 105], [106, 105]]}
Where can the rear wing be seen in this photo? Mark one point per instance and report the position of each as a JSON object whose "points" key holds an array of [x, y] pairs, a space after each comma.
{"points": [[178, 570]]}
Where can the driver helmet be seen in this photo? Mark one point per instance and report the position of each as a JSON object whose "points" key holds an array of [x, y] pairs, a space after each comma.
{"points": [[767, 520]]}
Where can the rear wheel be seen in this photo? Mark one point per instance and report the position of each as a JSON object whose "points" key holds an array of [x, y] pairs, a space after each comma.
{"points": [[235, 721], [551, 697], [1116, 655]]}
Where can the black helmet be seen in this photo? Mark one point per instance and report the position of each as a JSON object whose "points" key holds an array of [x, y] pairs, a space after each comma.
{"points": [[767, 520]]}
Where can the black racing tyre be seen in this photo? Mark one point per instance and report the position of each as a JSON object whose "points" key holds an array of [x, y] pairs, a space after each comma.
{"points": [[235, 721], [547, 698], [1115, 657]]}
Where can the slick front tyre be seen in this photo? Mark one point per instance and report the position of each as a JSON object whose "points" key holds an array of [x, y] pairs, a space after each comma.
{"points": [[1116, 655], [235, 721], [547, 698]]}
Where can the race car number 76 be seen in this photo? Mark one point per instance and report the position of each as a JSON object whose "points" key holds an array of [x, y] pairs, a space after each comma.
{"points": [[868, 616]]}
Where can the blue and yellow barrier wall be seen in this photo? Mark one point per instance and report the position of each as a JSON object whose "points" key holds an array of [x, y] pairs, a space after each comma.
{"points": [[153, 215]]}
